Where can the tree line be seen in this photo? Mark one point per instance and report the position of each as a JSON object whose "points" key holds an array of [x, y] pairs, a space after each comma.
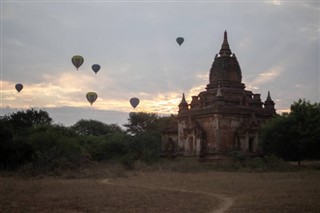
{"points": [[30, 138], [294, 136]]}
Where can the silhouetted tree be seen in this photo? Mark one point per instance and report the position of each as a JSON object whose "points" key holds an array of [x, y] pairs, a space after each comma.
{"points": [[295, 135], [146, 130], [13, 152], [97, 128], [143, 122], [27, 119]]}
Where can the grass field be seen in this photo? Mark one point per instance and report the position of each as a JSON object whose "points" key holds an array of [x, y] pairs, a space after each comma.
{"points": [[105, 188]]}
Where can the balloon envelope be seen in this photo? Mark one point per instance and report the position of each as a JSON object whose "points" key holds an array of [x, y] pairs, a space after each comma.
{"points": [[95, 68], [180, 40], [91, 97], [19, 87], [77, 61], [134, 102]]}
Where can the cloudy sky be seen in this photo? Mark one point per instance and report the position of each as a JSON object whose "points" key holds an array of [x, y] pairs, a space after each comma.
{"points": [[277, 44]]}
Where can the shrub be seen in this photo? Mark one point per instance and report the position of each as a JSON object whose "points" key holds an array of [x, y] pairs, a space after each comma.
{"points": [[55, 147]]}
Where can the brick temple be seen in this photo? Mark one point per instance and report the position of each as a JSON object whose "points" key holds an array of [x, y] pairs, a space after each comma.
{"points": [[225, 117]]}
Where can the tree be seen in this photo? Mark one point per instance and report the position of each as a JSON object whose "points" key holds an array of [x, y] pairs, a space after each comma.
{"points": [[142, 122], [296, 135], [13, 152], [96, 128], [146, 130], [14, 136], [55, 147], [27, 119]]}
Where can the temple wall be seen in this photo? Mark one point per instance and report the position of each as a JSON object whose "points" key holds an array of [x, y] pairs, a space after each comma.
{"points": [[222, 134]]}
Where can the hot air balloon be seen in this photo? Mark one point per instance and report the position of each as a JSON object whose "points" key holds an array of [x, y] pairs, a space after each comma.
{"points": [[77, 61], [91, 97], [95, 68], [180, 40], [134, 102], [19, 87]]}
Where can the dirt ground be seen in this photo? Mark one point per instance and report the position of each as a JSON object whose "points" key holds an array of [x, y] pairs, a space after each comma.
{"points": [[163, 191]]}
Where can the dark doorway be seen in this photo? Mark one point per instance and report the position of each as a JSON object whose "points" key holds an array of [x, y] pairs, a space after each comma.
{"points": [[238, 144], [251, 144]]}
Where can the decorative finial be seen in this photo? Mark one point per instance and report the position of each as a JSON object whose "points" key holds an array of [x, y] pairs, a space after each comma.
{"points": [[269, 104], [268, 97], [183, 106], [183, 101], [225, 49]]}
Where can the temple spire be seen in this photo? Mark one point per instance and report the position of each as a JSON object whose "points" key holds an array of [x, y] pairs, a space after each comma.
{"points": [[183, 106], [268, 97], [183, 101], [225, 49], [269, 104]]}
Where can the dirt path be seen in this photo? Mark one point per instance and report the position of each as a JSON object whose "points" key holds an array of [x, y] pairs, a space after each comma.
{"points": [[225, 201]]}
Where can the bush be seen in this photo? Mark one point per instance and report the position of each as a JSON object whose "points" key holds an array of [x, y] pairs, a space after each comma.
{"points": [[147, 147], [13, 151], [112, 147], [55, 148], [128, 160], [294, 136]]}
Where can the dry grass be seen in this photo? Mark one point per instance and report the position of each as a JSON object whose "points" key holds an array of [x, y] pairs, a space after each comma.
{"points": [[251, 192], [145, 190], [91, 195]]}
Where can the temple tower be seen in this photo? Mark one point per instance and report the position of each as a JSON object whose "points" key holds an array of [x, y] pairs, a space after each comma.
{"points": [[225, 116]]}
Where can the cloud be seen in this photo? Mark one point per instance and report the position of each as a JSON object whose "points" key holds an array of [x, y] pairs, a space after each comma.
{"points": [[276, 2], [266, 76], [136, 48], [66, 90]]}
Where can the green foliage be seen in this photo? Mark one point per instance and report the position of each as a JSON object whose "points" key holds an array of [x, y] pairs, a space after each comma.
{"points": [[237, 156], [296, 135], [29, 138], [27, 119], [13, 152], [128, 160], [14, 130], [146, 130], [141, 122], [111, 147], [55, 147], [147, 146], [97, 128]]}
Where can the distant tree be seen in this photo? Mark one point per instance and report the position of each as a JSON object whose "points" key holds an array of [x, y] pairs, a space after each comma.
{"points": [[295, 135], [142, 122], [15, 133], [27, 119], [96, 128], [13, 152], [6, 146], [146, 130], [55, 147]]}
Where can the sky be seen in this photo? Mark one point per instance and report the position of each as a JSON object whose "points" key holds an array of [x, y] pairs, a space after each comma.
{"points": [[277, 44]]}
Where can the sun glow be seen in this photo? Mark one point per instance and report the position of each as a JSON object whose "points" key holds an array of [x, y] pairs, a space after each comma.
{"points": [[61, 93]]}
